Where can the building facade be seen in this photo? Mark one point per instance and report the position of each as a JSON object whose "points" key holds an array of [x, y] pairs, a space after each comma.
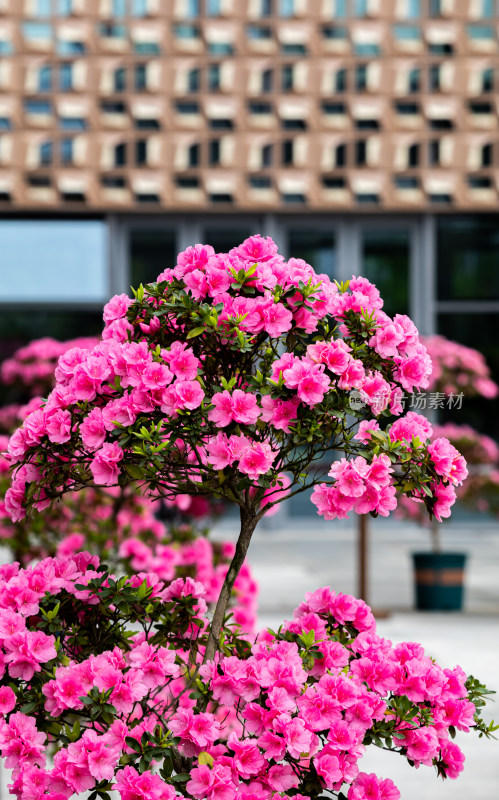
{"points": [[361, 134]]}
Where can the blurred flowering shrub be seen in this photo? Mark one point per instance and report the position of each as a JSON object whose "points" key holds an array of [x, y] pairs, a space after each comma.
{"points": [[107, 674], [457, 368]]}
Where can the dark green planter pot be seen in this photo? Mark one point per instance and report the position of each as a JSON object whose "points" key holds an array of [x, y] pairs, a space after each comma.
{"points": [[439, 581]]}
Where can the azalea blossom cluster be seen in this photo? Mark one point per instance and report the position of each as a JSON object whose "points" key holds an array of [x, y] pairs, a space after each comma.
{"points": [[122, 527], [32, 367], [103, 667], [480, 491], [227, 376], [457, 368]]}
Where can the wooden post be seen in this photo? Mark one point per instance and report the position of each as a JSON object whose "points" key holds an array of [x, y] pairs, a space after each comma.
{"points": [[362, 543]]}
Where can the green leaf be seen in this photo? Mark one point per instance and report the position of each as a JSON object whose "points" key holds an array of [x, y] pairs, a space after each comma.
{"points": [[205, 758], [195, 332]]}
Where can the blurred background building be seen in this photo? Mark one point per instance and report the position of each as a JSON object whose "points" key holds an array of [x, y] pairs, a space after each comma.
{"points": [[361, 134]]}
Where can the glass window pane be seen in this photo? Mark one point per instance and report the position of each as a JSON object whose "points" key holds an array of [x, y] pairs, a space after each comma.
{"points": [[224, 240], [53, 261], [317, 248], [474, 330], [385, 262], [150, 253], [468, 258]]}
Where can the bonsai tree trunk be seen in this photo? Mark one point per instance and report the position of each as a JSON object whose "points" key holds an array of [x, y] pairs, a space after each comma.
{"points": [[249, 521]]}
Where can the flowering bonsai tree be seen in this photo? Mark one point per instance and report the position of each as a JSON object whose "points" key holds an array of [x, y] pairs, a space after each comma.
{"points": [[232, 376], [230, 373], [106, 674], [457, 368]]}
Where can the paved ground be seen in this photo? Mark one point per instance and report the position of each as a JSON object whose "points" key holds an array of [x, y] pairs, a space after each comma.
{"points": [[303, 554]]}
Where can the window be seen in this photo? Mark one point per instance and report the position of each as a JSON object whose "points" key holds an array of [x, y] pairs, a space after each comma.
{"points": [[367, 124], [139, 8], [434, 78], [187, 31], [413, 9], [334, 32], [37, 107], [34, 31], [294, 49], [287, 152], [148, 124], [187, 181], [340, 81], [113, 182], [214, 152], [213, 8], [487, 9], [481, 32], [333, 108], [267, 155], [361, 78], [406, 182], [435, 8], [39, 181], [6, 47], [65, 48], [360, 8], [191, 8], [360, 152], [118, 8], [46, 154], [140, 77], [441, 125], [488, 80], [266, 8], [413, 155], [333, 182], [487, 155], [287, 78], [45, 79], [120, 155], [434, 153], [220, 124], [479, 182], [186, 107], [42, 8], [385, 261], [407, 109], [294, 125], [286, 8], [441, 49], [267, 81], [194, 80], [141, 152], [147, 48], [406, 33], [66, 151], [367, 49], [147, 198], [71, 260], [480, 108], [5, 124], [66, 77], [414, 81], [340, 155], [119, 79], [340, 9], [293, 197], [193, 155], [73, 124], [113, 107], [65, 8], [260, 182], [214, 77], [440, 199], [220, 49], [258, 32], [111, 30], [257, 107]]}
